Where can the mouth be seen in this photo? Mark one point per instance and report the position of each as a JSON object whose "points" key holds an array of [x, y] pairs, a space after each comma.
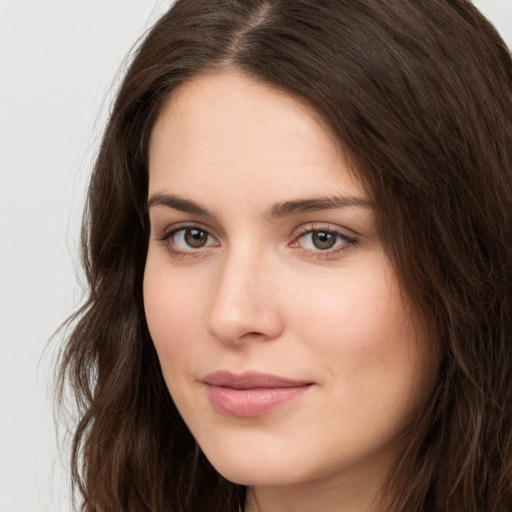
{"points": [[251, 394]]}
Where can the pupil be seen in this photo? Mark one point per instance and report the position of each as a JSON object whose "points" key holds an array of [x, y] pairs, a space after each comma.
{"points": [[323, 239], [195, 237]]}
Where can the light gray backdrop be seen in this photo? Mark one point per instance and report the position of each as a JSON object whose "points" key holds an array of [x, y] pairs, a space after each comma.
{"points": [[58, 60]]}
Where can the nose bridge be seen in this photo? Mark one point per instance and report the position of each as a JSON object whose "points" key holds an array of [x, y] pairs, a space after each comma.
{"points": [[243, 302]]}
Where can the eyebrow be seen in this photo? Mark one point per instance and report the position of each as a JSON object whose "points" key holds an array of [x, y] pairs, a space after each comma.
{"points": [[299, 206], [178, 203], [278, 210]]}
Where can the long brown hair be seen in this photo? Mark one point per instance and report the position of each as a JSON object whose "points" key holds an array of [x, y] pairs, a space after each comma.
{"points": [[419, 93]]}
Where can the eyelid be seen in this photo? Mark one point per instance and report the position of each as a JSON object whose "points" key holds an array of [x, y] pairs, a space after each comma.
{"points": [[325, 226], [173, 228], [347, 236], [166, 238]]}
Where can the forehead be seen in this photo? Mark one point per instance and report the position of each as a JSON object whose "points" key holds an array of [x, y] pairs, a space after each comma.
{"points": [[230, 128]]}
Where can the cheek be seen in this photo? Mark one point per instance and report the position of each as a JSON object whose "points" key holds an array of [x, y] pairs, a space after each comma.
{"points": [[357, 309], [174, 311], [359, 330]]}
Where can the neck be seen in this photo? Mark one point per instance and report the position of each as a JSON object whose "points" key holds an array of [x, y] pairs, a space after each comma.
{"points": [[358, 489], [327, 497]]}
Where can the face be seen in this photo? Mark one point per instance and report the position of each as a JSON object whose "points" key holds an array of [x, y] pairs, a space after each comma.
{"points": [[276, 315]]}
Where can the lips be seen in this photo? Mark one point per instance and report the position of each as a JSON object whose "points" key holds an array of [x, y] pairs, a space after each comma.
{"points": [[251, 394]]}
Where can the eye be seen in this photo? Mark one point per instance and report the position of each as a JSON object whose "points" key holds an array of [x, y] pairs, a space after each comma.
{"points": [[190, 238], [323, 240]]}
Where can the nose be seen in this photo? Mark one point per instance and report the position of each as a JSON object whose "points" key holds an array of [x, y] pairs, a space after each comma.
{"points": [[245, 304]]}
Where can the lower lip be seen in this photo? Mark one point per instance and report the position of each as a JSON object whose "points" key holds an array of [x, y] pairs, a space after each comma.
{"points": [[250, 403]]}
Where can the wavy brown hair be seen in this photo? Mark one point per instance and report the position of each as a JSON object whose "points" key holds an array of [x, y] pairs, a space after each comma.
{"points": [[419, 93]]}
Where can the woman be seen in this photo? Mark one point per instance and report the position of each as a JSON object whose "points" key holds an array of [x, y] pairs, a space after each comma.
{"points": [[298, 247]]}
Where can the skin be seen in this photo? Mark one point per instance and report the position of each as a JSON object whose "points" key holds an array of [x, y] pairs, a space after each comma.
{"points": [[260, 295]]}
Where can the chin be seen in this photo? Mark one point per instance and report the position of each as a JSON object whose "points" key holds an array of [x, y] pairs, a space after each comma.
{"points": [[254, 467], [262, 476]]}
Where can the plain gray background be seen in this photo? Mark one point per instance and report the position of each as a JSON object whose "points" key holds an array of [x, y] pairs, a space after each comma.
{"points": [[58, 63]]}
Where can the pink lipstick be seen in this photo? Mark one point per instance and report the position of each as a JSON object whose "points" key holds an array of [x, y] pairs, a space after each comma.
{"points": [[251, 394]]}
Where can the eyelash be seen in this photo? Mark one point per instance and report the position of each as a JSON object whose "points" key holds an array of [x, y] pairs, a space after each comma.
{"points": [[342, 242], [167, 239]]}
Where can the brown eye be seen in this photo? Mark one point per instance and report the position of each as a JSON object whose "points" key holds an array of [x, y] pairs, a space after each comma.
{"points": [[192, 238], [195, 238], [323, 240]]}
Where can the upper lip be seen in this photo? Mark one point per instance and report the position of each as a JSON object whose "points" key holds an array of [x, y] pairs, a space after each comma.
{"points": [[250, 380]]}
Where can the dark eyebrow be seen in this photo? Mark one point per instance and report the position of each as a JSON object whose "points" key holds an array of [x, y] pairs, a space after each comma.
{"points": [[178, 203], [284, 209], [321, 203]]}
